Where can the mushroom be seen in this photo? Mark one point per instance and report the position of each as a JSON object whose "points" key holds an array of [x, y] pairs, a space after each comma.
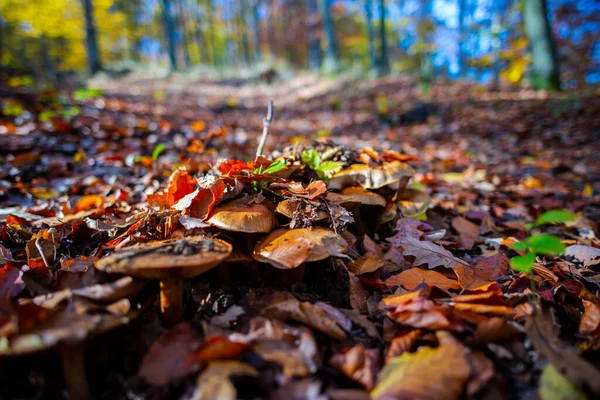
{"points": [[364, 198], [413, 202], [169, 262], [371, 177], [248, 218], [410, 204], [67, 330], [289, 248], [287, 208]]}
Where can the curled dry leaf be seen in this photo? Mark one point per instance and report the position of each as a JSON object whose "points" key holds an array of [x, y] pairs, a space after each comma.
{"points": [[284, 306], [590, 320], [180, 184], [358, 364], [401, 343], [320, 243]]}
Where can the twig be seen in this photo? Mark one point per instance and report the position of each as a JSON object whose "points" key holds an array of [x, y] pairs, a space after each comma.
{"points": [[266, 125]]}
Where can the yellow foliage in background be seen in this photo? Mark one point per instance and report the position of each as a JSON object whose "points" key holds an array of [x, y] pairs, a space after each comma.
{"points": [[62, 24]]}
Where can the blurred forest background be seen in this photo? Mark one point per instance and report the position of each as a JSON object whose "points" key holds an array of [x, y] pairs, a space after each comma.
{"points": [[539, 43]]}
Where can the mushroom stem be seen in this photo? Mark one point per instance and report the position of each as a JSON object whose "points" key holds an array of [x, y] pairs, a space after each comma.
{"points": [[171, 301], [72, 355]]}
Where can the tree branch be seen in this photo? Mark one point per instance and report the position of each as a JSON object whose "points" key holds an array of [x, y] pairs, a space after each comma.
{"points": [[266, 125]]}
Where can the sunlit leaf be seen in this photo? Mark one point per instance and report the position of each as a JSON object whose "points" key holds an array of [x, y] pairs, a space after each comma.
{"points": [[523, 263], [544, 243]]}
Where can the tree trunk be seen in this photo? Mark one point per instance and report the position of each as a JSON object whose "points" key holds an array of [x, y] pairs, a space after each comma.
{"points": [[332, 61], [314, 36], [90, 38], [383, 64], [169, 32], [256, 30], [271, 28], [181, 21], [370, 33], [544, 68], [243, 15], [211, 29], [462, 11]]}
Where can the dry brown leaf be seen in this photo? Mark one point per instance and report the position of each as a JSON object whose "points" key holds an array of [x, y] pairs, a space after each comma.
{"points": [[214, 382], [468, 232], [487, 270], [587, 255], [428, 374], [366, 265], [412, 278], [167, 359], [429, 253], [402, 343], [590, 320], [358, 364]]}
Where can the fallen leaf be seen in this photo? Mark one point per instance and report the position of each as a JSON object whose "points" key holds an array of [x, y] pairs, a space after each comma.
{"points": [[429, 253], [414, 277], [214, 382], [590, 320], [487, 270], [365, 265], [358, 364], [468, 232], [11, 282], [428, 374], [167, 359], [555, 386], [587, 255], [402, 343]]}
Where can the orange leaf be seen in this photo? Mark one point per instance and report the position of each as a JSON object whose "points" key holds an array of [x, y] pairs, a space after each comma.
{"points": [[89, 202], [487, 270], [180, 184]]}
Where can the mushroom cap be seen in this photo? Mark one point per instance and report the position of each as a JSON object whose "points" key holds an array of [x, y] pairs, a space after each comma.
{"points": [[371, 177], [364, 196], [288, 248], [288, 206], [64, 326], [248, 218], [412, 202], [170, 259]]}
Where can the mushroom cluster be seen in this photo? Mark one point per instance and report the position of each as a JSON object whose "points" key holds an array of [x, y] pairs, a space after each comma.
{"points": [[306, 205]]}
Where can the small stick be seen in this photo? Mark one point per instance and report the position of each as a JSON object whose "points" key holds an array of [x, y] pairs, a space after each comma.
{"points": [[266, 125]]}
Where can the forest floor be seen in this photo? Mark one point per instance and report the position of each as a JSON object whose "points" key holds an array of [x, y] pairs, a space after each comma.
{"points": [[424, 305]]}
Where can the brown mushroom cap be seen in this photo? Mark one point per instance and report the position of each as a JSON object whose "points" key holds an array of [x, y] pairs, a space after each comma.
{"points": [[370, 177], [364, 196], [288, 206], [248, 218], [412, 202], [171, 259], [288, 248]]}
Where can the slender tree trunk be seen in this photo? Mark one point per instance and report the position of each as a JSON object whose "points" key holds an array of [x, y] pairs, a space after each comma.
{"points": [[183, 42], [243, 11], [170, 32], [370, 33], [332, 61], [545, 72], [462, 65], [314, 36], [256, 30], [211, 29], [383, 64], [198, 35], [93, 54]]}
